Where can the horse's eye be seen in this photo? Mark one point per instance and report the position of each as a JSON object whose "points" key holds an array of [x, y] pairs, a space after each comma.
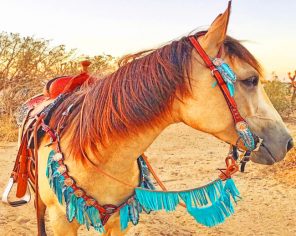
{"points": [[251, 81]]}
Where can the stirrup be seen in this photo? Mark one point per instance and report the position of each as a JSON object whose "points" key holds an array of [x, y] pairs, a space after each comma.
{"points": [[25, 199]]}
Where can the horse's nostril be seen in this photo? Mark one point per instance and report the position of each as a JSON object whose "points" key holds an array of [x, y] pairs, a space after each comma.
{"points": [[290, 144]]}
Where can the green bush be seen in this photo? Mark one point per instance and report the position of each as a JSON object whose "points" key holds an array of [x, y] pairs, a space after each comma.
{"points": [[26, 63], [8, 129], [280, 95]]}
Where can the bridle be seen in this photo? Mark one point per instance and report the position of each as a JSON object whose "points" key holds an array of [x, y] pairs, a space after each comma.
{"points": [[225, 78]]}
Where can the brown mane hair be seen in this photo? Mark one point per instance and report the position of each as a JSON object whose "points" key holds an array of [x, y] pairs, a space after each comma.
{"points": [[139, 94]]}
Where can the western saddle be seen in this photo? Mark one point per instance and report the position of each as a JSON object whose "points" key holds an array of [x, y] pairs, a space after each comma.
{"points": [[41, 106]]}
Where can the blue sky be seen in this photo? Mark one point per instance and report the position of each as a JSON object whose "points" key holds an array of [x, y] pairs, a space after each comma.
{"points": [[118, 27]]}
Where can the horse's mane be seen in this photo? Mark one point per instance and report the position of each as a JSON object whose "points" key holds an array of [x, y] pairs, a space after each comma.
{"points": [[139, 94]]}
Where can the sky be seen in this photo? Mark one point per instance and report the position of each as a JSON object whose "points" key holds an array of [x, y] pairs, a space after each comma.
{"points": [[118, 27]]}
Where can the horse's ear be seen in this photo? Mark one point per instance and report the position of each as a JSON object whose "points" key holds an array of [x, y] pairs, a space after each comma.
{"points": [[216, 34]]}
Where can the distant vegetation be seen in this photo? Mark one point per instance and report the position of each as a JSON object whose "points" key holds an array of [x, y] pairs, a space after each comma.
{"points": [[27, 63], [280, 95]]}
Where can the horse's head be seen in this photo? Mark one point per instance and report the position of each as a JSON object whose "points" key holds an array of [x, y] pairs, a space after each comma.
{"points": [[206, 109]]}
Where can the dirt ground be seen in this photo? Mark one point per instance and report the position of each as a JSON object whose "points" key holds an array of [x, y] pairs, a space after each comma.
{"points": [[185, 158]]}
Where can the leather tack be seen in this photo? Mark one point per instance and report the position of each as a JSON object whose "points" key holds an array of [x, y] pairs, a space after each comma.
{"points": [[68, 182], [62, 169], [78, 193], [90, 202], [58, 156]]}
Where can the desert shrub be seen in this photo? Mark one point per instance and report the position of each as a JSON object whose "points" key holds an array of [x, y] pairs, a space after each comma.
{"points": [[280, 95], [27, 63], [8, 128]]}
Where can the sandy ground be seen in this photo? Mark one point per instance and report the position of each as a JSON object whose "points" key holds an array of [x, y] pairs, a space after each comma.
{"points": [[185, 158]]}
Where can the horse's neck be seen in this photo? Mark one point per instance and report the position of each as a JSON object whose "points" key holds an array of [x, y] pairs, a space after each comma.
{"points": [[121, 156], [121, 153]]}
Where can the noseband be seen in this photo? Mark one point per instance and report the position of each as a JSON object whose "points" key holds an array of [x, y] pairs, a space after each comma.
{"points": [[226, 78]]}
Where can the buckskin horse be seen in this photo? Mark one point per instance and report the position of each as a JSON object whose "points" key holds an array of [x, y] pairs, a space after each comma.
{"points": [[106, 124]]}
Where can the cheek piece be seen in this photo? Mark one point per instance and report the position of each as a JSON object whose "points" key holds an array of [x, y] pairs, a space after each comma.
{"points": [[225, 79]]}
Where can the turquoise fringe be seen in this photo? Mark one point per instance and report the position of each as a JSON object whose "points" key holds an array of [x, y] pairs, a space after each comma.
{"points": [[228, 76], [130, 212], [71, 207], [93, 218], [209, 205], [124, 217], [156, 200], [75, 206]]}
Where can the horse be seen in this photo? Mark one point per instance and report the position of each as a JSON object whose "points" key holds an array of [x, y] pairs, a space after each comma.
{"points": [[116, 118]]}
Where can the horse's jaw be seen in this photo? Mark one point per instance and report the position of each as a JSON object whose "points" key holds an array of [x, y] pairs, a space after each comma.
{"points": [[263, 156]]}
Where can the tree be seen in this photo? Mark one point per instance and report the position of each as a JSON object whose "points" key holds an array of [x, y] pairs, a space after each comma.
{"points": [[27, 63]]}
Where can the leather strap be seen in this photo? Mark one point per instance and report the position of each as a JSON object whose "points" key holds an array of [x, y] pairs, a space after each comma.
{"points": [[222, 85], [22, 173], [36, 128]]}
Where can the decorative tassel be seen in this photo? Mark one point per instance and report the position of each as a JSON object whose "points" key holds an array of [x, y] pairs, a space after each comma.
{"points": [[134, 211], [209, 205], [213, 214], [124, 217], [227, 74], [80, 211], [58, 187], [146, 180], [231, 187], [246, 135], [49, 161], [212, 190], [156, 200], [230, 87], [56, 180], [75, 205], [71, 207], [93, 216], [67, 191]]}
